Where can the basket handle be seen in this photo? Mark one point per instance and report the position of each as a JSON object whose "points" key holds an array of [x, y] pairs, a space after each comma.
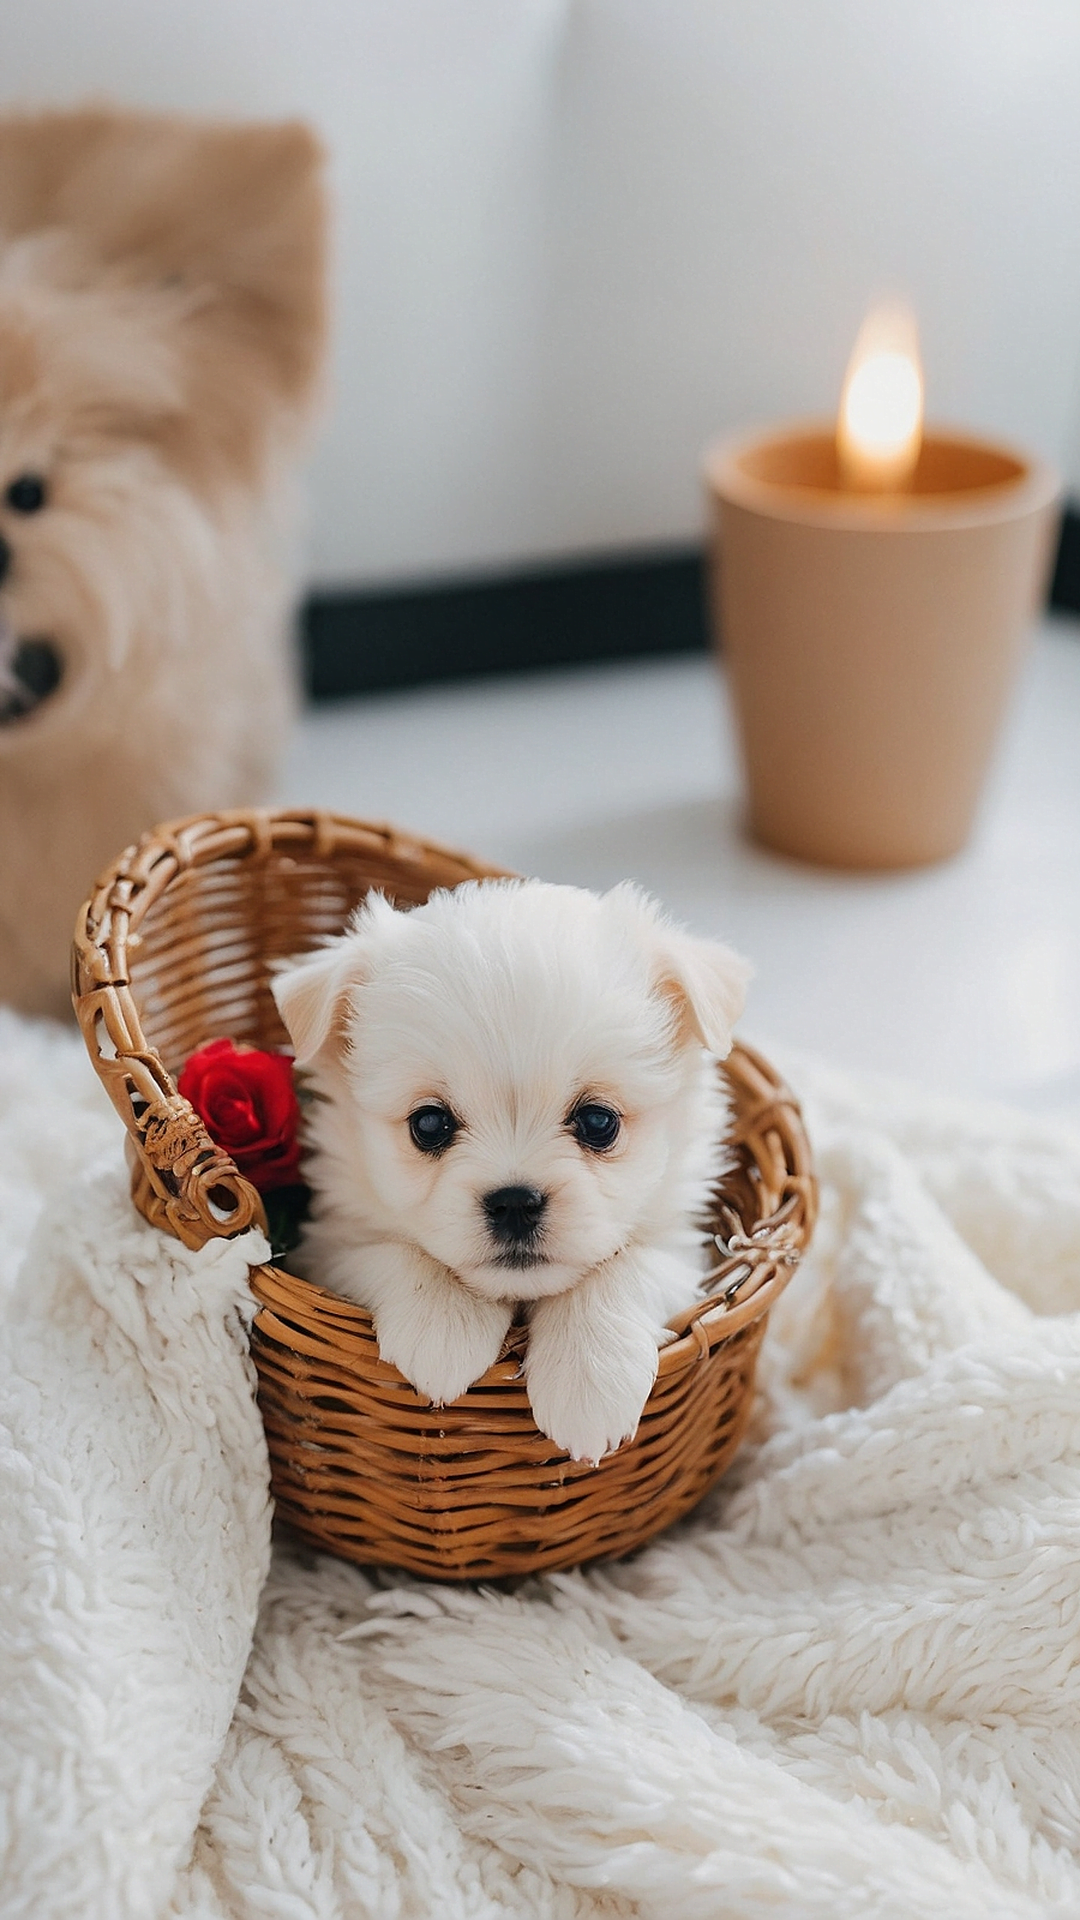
{"points": [[180, 1179]]}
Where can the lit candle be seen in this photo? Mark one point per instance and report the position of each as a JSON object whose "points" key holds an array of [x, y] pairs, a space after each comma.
{"points": [[873, 585], [879, 431]]}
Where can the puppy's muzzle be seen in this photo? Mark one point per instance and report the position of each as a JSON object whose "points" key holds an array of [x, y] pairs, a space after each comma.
{"points": [[514, 1215]]}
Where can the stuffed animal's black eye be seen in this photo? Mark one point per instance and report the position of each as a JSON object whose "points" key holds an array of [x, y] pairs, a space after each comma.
{"points": [[27, 494], [595, 1126], [432, 1128]]}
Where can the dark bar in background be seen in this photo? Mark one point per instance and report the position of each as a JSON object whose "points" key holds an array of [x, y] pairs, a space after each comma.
{"points": [[548, 617], [566, 615], [1065, 586]]}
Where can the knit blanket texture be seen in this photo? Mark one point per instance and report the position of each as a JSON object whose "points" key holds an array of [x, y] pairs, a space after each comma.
{"points": [[848, 1686]]}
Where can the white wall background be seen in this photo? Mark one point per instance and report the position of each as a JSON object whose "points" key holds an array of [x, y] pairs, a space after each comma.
{"points": [[579, 237]]}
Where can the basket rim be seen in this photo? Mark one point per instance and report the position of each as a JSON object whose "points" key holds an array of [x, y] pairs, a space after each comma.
{"points": [[749, 1277]]}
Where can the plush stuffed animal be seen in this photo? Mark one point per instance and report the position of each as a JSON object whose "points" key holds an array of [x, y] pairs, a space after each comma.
{"points": [[162, 326]]}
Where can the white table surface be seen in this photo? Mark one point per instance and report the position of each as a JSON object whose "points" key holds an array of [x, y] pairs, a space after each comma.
{"points": [[964, 976]]}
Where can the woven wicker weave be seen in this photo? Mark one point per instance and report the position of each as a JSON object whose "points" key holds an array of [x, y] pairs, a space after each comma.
{"points": [[172, 949]]}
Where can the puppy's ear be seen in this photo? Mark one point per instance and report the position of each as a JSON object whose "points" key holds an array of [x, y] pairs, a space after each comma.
{"points": [[708, 981], [704, 979], [312, 997], [312, 993]]}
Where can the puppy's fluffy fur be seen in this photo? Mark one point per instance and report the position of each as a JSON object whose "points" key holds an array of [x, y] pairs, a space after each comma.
{"points": [[161, 334], [515, 1008]]}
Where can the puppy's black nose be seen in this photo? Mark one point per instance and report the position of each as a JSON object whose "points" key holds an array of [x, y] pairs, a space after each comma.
{"points": [[514, 1213], [5, 556]]}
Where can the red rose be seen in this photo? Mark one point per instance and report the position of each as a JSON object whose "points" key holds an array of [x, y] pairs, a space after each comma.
{"points": [[248, 1102]]}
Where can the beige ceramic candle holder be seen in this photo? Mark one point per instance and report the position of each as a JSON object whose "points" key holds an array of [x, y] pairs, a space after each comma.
{"points": [[871, 640]]}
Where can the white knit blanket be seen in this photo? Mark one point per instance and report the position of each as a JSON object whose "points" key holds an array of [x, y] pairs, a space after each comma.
{"points": [[850, 1686]]}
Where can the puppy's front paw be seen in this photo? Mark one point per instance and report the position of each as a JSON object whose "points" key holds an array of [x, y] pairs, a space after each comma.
{"points": [[439, 1336], [587, 1397]]}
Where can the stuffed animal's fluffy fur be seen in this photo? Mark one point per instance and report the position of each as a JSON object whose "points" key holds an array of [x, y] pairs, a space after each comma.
{"points": [[517, 1101], [161, 335]]}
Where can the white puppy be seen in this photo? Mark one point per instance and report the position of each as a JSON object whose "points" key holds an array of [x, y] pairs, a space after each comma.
{"points": [[518, 1102]]}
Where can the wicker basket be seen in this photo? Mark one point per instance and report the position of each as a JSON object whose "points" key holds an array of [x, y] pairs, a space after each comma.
{"points": [[171, 950]]}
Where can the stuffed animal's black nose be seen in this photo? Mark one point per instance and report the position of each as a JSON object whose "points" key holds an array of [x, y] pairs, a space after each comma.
{"points": [[5, 556], [514, 1213]]}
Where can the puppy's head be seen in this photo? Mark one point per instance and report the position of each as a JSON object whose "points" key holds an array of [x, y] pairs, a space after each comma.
{"points": [[161, 330], [517, 1068]]}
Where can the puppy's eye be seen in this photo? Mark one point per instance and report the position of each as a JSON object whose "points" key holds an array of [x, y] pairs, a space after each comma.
{"points": [[27, 494], [432, 1128], [596, 1127]]}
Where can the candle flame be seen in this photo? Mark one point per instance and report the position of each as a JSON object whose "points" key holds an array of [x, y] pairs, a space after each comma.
{"points": [[879, 431]]}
